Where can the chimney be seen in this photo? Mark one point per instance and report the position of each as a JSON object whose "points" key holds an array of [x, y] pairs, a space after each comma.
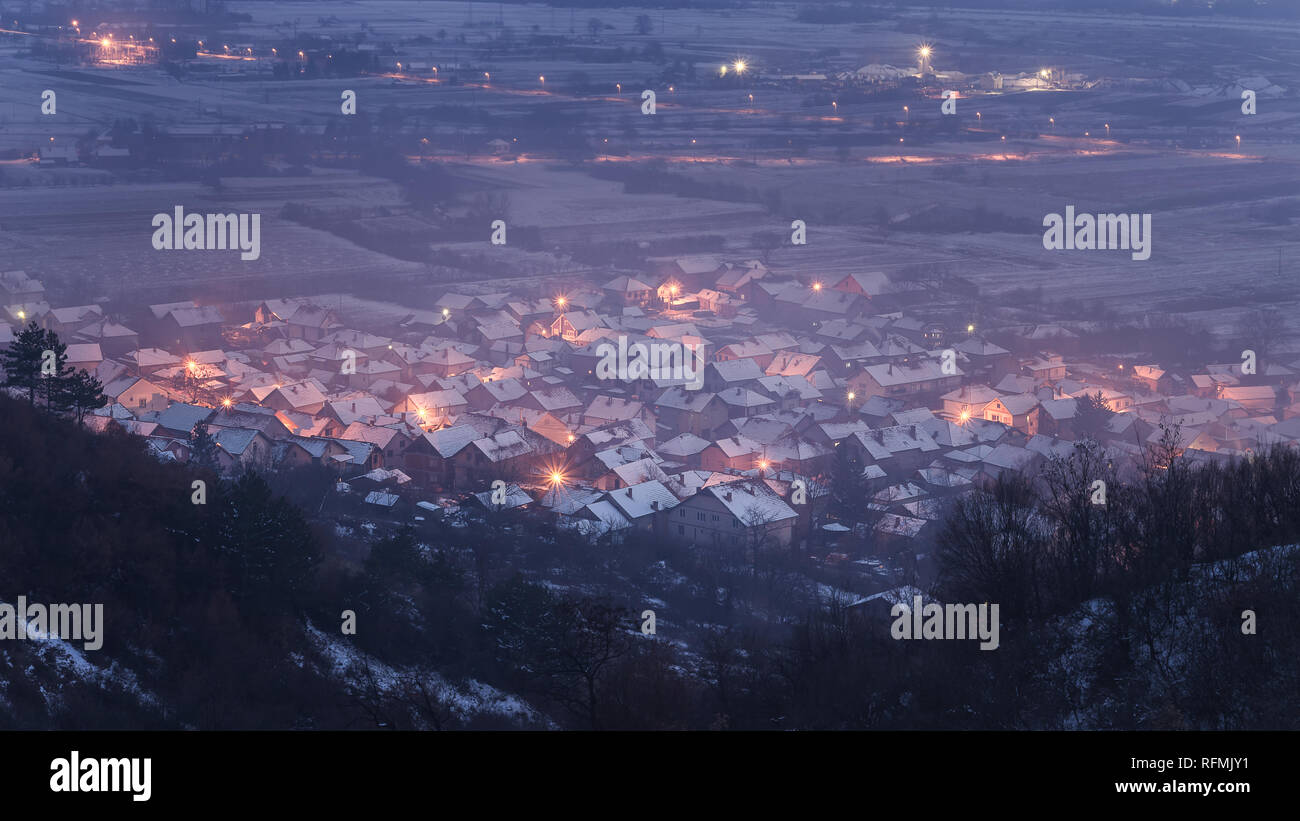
{"points": [[654, 505], [727, 495], [629, 492]]}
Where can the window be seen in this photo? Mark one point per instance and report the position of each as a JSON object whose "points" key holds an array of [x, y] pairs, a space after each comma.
{"points": [[715, 517], [700, 516], [682, 513], [681, 530], [735, 523]]}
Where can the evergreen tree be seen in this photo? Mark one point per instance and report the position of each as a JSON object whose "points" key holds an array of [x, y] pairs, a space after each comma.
{"points": [[22, 361], [55, 373], [848, 487], [203, 449], [1091, 415], [83, 393]]}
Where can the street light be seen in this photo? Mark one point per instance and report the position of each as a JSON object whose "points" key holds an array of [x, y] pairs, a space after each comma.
{"points": [[739, 66], [1107, 129], [1238, 141]]}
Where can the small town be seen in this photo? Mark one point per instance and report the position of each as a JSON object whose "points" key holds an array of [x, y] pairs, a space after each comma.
{"points": [[807, 383]]}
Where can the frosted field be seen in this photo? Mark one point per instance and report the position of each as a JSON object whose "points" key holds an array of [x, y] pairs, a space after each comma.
{"points": [[1213, 248]]}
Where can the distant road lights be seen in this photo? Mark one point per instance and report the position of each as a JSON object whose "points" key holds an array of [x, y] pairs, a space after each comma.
{"points": [[970, 329], [619, 86], [1107, 129], [1052, 120], [1238, 139], [852, 396], [1004, 138], [671, 89], [486, 76], [751, 99], [739, 66], [541, 78], [979, 116], [722, 71], [817, 286], [835, 106], [907, 113]]}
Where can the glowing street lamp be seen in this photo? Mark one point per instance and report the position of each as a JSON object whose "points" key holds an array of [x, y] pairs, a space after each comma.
{"points": [[225, 403], [446, 312], [722, 71], [557, 478], [541, 78], [817, 286], [1107, 129], [907, 113], [1238, 138], [835, 106], [619, 86], [970, 329], [852, 396], [561, 301], [979, 116], [739, 66]]}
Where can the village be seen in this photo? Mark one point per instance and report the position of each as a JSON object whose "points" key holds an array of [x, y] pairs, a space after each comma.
{"points": [[482, 403]]}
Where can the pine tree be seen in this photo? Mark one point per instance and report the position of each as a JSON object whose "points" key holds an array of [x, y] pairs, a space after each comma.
{"points": [[1091, 415], [83, 393], [22, 361], [55, 373], [203, 449], [848, 487]]}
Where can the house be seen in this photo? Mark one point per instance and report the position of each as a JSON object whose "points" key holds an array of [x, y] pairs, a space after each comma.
{"points": [[644, 504], [243, 447], [744, 515], [428, 459], [629, 291], [968, 401], [695, 412], [866, 284], [924, 377], [1048, 368], [1019, 411], [137, 394]]}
